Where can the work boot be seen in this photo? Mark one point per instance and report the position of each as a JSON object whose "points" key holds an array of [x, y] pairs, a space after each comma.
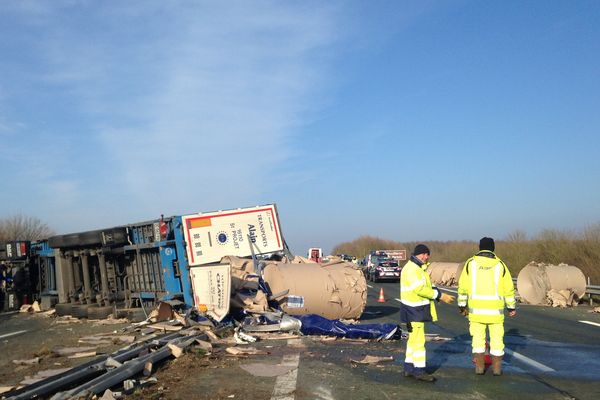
{"points": [[479, 359], [425, 377], [497, 365]]}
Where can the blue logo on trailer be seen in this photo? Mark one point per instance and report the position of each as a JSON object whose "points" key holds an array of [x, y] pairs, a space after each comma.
{"points": [[222, 238]]}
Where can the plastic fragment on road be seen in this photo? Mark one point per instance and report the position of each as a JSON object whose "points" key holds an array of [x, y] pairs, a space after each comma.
{"points": [[316, 325]]}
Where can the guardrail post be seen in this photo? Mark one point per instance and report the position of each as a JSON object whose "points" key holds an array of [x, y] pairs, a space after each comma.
{"points": [[589, 283]]}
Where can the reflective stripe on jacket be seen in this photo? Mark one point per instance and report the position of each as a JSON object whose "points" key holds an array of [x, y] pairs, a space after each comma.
{"points": [[416, 294], [486, 287]]}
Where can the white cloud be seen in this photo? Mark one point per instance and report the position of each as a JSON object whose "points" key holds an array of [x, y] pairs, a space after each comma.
{"points": [[188, 106]]}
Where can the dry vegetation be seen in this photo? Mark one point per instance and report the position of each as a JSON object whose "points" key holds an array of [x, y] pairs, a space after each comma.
{"points": [[581, 249], [21, 227]]}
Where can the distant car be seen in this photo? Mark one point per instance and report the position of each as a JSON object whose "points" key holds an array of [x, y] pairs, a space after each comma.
{"points": [[387, 269]]}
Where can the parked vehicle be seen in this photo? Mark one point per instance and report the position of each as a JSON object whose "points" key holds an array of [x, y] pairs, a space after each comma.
{"points": [[385, 269], [315, 254]]}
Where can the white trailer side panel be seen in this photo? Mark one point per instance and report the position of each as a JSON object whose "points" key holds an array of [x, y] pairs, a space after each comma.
{"points": [[211, 236]]}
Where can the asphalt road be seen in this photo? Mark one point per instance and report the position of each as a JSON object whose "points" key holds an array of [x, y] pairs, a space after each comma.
{"points": [[551, 354]]}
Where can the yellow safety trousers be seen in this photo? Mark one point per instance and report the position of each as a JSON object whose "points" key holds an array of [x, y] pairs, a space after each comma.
{"points": [[415, 345], [478, 329]]}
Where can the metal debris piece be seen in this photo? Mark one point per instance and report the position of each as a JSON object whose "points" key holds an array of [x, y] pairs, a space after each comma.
{"points": [[243, 338]]}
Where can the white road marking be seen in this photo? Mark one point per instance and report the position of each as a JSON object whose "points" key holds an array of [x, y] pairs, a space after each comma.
{"points": [[590, 323], [529, 361], [11, 334], [369, 286], [285, 385]]}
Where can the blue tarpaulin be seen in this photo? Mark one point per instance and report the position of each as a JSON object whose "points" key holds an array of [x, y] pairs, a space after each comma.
{"points": [[313, 324]]}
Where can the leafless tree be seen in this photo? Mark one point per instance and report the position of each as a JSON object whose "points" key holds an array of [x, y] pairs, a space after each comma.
{"points": [[21, 227]]}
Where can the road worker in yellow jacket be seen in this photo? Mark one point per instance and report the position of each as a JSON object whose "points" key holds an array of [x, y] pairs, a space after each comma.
{"points": [[485, 288], [417, 306]]}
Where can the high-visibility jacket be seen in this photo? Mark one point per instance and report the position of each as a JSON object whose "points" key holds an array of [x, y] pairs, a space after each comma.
{"points": [[486, 286], [417, 293]]}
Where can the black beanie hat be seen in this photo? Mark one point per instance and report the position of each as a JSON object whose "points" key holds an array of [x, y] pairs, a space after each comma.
{"points": [[487, 243], [421, 249]]}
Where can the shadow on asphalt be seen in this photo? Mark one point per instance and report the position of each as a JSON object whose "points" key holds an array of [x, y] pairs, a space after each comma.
{"points": [[460, 344]]}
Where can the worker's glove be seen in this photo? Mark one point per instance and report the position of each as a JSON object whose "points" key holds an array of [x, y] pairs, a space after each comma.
{"points": [[408, 327], [447, 298], [463, 311]]}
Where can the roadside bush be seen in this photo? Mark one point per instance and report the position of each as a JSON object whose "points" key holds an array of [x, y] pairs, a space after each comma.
{"points": [[581, 249]]}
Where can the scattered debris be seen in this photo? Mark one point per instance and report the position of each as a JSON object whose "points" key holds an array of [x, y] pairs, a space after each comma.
{"points": [[4, 389], [31, 361], [67, 351], [108, 395], [83, 354], [67, 319], [372, 360], [561, 298], [35, 307], [110, 321], [244, 351]]}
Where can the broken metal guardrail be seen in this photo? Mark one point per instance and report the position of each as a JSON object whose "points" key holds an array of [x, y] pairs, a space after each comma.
{"points": [[95, 368]]}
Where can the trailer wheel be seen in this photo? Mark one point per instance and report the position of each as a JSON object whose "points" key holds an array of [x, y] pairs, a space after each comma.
{"points": [[132, 314], [80, 310], [63, 309], [99, 312]]}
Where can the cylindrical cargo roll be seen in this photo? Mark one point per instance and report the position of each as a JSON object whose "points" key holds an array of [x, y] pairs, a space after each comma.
{"points": [[336, 290], [445, 273], [536, 279]]}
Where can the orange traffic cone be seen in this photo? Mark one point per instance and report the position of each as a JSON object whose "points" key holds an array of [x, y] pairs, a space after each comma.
{"points": [[381, 299], [488, 357]]}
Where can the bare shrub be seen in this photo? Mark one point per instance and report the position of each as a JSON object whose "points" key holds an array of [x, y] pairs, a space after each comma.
{"points": [[517, 250], [21, 227]]}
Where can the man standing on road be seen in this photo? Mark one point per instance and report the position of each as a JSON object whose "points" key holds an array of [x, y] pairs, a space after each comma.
{"points": [[486, 287], [417, 306]]}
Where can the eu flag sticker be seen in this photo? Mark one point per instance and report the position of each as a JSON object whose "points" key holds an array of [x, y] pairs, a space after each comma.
{"points": [[222, 238]]}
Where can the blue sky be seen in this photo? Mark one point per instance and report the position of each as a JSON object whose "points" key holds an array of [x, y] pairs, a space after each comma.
{"points": [[407, 120]]}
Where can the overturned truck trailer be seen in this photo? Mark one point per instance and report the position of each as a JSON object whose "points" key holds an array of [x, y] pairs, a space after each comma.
{"points": [[137, 265]]}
